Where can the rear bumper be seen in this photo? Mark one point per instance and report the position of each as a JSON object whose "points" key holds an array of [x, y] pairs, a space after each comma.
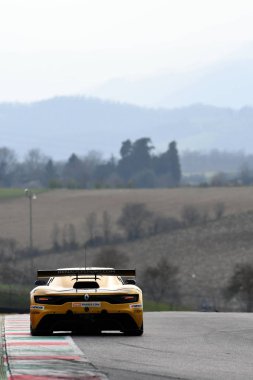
{"points": [[70, 317], [87, 322]]}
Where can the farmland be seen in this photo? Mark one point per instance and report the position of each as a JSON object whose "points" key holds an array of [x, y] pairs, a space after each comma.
{"points": [[73, 206]]}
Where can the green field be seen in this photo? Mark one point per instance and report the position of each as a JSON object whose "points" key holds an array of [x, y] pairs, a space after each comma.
{"points": [[11, 193], [6, 193]]}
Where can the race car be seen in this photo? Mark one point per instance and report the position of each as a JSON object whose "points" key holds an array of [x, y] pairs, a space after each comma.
{"points": [[86, 301]]}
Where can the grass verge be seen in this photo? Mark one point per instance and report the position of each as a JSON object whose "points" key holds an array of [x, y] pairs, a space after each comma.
{"points": [[13, 298], [10, 193]]}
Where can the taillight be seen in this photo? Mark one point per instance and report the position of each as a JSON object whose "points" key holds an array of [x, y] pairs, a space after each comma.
{"points": [[110, 298], [129, 298], [40, 299]]}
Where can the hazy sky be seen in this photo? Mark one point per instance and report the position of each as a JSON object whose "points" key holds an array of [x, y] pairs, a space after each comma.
{"points": [[67, 47]]}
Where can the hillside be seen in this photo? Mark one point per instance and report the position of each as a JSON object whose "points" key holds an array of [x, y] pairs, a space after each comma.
{"points": [[73, 206], [61, 126], [227, 83], [205, 256]]}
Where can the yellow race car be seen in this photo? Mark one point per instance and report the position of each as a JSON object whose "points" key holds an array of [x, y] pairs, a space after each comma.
{"points": [[86, 300]]}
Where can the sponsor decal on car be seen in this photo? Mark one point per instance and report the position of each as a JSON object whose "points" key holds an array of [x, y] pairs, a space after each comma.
{"points": [[86, 304], [37, 307], [136, 306]]}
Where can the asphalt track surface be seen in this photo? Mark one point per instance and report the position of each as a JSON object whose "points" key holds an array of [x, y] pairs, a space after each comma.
{"points": [[177, 345]]}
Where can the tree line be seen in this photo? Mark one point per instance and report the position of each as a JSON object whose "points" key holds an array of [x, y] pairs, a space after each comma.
{"points": [[137, 166], [136, 221]]}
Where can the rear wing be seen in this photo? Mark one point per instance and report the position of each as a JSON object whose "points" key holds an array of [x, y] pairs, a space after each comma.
{"points": [[84, 272]]}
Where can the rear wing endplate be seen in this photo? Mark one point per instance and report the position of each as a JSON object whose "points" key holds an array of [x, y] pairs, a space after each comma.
{"points": [[84, 272]]}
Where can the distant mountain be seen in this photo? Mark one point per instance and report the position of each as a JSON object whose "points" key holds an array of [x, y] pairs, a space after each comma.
{"points": [[225, 84], [61, 126]]}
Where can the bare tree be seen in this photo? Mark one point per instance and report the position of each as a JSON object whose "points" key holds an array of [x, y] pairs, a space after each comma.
{"points": [[8, 163], [91, 226], [245, 174], [72, 241], [107, 226], [160, 282], [219, 209], [134, 220], [111, 257], [190, 215], [35, 160], [219, 179], [55, 236], [68, 234], [8, 250], [65, 236]]}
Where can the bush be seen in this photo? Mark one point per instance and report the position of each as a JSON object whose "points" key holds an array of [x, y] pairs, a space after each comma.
{"points": [[161, 224], [135, 220], [219, 209], [111, 257], [160, 282], [219, 179], [190, 215], [241, 285]]}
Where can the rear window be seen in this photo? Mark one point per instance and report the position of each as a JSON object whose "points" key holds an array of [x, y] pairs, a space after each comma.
{"points": [[86, 285]]}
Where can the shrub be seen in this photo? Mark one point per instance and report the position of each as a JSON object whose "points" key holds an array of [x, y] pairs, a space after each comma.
{"points": [[161, 224], [160, 282], [190, 215], [219, 209], [134, 220], [111, 257], [241, 285]]}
